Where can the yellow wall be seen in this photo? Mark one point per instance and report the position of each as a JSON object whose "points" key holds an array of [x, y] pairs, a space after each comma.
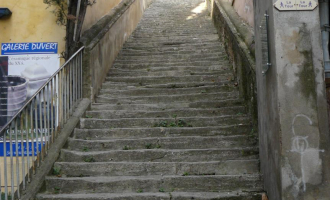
{"points": [[97, 11], [31, 22]]}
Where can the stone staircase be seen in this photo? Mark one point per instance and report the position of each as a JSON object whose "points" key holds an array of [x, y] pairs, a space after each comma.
{"points": [[168, 122]]}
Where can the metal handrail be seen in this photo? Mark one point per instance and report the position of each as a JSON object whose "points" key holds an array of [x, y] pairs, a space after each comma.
{"points": [[36, 125], [41, 88]]}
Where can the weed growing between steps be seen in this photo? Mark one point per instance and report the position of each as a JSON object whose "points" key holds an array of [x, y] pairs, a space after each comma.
{"points": [[175, 123]]}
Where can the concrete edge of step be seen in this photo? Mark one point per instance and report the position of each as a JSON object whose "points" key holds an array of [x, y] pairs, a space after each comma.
{"points": [[37, 179]]}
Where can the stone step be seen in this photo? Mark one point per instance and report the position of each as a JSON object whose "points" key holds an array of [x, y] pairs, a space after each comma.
{"points": [[173, 61], [160, 132], [127, 184], [167, 91], [194, 37], [168, 105], [125, 86], [175, 113], [167, 47], [143, 65], [160, 155], [193, 56], [147, 80], [233, 195], [147, 72], [229, 167], [113, 99], [169, 44], [192, 142], [170, 51], [163, 122], [221, 69]]}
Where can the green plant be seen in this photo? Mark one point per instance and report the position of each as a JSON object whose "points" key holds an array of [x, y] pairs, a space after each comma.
{"points": [[126, 148], [90, 159], [139, 191], [89, 116], [85, 149], [60, 8], [148, 146], [161, 124], [185, 174], [56, 171], [57, 190], [161, 190]]}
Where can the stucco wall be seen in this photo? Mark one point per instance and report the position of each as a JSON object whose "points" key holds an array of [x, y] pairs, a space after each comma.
{"points": [[293, 127], [96, 11], [31, 22], [244, 9], [104, 40]]}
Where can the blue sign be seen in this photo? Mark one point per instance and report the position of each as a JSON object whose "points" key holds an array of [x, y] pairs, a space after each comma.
{"points": [[29, 48], [21, 151]]}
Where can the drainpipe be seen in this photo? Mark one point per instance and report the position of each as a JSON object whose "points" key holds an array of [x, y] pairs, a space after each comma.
{"points": [[77, 21], [324, 15]]}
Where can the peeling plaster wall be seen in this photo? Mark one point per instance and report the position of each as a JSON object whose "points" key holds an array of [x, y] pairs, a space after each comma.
{"points": [[294, 137]]}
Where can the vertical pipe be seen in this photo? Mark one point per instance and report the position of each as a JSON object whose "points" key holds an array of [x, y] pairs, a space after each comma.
{"points": [[41, 125], [44, 130], [17, 159], [5, 163], [52, 109], [81, 76], [28, 131], [37, 99], [11, 161], [48, 113], [324, 18], [25, 114]]}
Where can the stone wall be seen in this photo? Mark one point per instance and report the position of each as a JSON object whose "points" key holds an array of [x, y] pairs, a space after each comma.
{"points": [[238, 44], [104, 40]]}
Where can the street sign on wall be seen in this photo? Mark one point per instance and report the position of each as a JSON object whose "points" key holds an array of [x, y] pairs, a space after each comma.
{"points": [[296, 5]]}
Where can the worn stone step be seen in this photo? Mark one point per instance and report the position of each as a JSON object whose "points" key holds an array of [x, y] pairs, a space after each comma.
{"points": [[172, 69], [161, 68], [167, 91], [173, 61], [147, 72], [162, 122], [125, 184], [168, 105], [125, 86], [148, 80], [223, 63], [171, 51], [194, 37], [177, 113], [160, 132], [160, 155], [229, 167], [169, 44], [174, 48], [108, 98], [192, 142], [232, 195], [168, 57]]}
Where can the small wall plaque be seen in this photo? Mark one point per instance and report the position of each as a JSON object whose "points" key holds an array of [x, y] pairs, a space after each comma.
{"points": [[295, 5]]}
